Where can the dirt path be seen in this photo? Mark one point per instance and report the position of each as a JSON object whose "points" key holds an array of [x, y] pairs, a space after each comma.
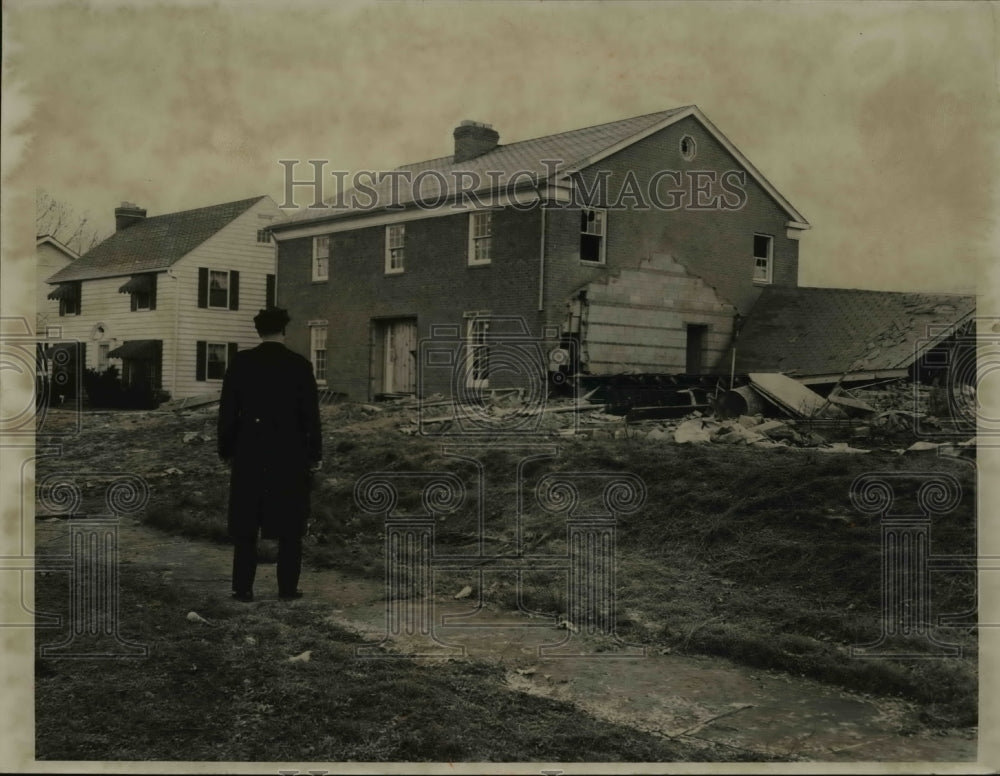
{"points": [[704, 700]]}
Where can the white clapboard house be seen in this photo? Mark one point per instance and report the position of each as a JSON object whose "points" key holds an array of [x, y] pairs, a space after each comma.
{"points": [[169, 299]]}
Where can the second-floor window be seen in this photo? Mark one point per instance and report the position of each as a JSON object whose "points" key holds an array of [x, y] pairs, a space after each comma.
{"points": [[142, 291], [68, 296], [321, 257], [395, 247], [218, 289], [763, 246], [481, 238], [317, 349], [592, 233]]}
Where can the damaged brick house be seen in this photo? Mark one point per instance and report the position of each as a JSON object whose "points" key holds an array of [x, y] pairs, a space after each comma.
{"points": [[636, 241], [168, 299]]}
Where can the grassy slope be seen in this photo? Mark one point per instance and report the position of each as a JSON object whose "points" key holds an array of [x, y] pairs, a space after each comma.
{"points": [[755, 555]]}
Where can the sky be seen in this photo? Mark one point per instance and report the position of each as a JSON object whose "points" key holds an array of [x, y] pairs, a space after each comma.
{"points": [[878, 122]]}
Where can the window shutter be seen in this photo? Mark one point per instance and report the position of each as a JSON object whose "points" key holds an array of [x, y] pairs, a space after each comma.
{"points": [[231, 354], [203, 288], [234, 290], [270, 298], [134, 302], [62, 308], [201, 352], [79, 297], [152, 295]]}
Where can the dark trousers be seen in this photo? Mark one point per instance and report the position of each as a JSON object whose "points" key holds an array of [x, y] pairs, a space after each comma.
{"points": [[245, 564]]}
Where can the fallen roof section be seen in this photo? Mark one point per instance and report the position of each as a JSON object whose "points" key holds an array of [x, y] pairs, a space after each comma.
{"points": [[818, 334]]}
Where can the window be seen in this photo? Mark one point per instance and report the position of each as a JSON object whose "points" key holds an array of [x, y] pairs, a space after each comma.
{"points": [[216, 367], [141, 300], [689, 148], [762, 248], [219, 289], [481, 238], [213, 358], [321, 257], [592, 235], [263, 236], [69, 306], [68, 296], [317, 350], [478, 363], [395, 239]]}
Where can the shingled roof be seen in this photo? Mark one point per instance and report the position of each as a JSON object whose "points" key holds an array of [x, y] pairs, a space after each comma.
{"points": [[153, 243], [817, 332], [573, 150]]}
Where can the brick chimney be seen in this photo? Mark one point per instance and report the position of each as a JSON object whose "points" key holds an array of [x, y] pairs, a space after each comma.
{"points": [[128, 214], [473, 138]]}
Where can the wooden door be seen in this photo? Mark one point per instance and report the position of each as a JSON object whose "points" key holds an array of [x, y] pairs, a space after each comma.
{"points": [[399, 347]]}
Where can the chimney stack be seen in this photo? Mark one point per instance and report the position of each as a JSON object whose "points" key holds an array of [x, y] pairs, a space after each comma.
{"points": [[128, 214], [473, 138]]}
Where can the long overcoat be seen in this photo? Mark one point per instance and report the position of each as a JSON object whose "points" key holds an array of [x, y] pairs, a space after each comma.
{"points": [[269, 429]]}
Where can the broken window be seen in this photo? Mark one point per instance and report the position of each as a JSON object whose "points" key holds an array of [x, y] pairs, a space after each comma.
{"points": [[481, 238], [321, 257], [762, 248], [395, 238], [592, 235], [317, 348]]}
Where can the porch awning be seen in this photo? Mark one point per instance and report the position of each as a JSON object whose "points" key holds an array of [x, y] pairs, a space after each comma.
{"points": [[139, 284], [138, 350], [65, 291]]}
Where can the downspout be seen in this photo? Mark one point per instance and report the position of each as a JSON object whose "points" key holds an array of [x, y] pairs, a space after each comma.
{"points": [[177, 319]]}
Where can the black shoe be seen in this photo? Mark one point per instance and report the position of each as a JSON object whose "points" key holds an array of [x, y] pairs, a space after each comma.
{"points": [[290, 596], [244, 597]]}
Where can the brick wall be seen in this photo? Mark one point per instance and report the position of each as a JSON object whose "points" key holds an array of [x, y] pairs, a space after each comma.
{"points": [[716, 245], [437, 287]]}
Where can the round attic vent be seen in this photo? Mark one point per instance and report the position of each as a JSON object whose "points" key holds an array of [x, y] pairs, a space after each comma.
{"points": [[688, 147]]}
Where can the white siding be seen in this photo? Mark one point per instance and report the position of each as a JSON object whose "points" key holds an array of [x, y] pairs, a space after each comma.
{"points": [[637, 321], [233, 248], [177, 319]]}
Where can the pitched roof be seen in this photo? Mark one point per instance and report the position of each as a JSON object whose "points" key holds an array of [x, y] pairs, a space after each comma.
{"points": [[48, 239], [573, 150], [153, 243], [829, 331]]}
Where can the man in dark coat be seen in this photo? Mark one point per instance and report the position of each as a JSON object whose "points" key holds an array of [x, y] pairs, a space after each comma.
{"points": [[269, 433]]}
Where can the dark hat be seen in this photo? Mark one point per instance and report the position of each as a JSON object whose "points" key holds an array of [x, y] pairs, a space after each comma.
{"points": [[273, 320]]}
